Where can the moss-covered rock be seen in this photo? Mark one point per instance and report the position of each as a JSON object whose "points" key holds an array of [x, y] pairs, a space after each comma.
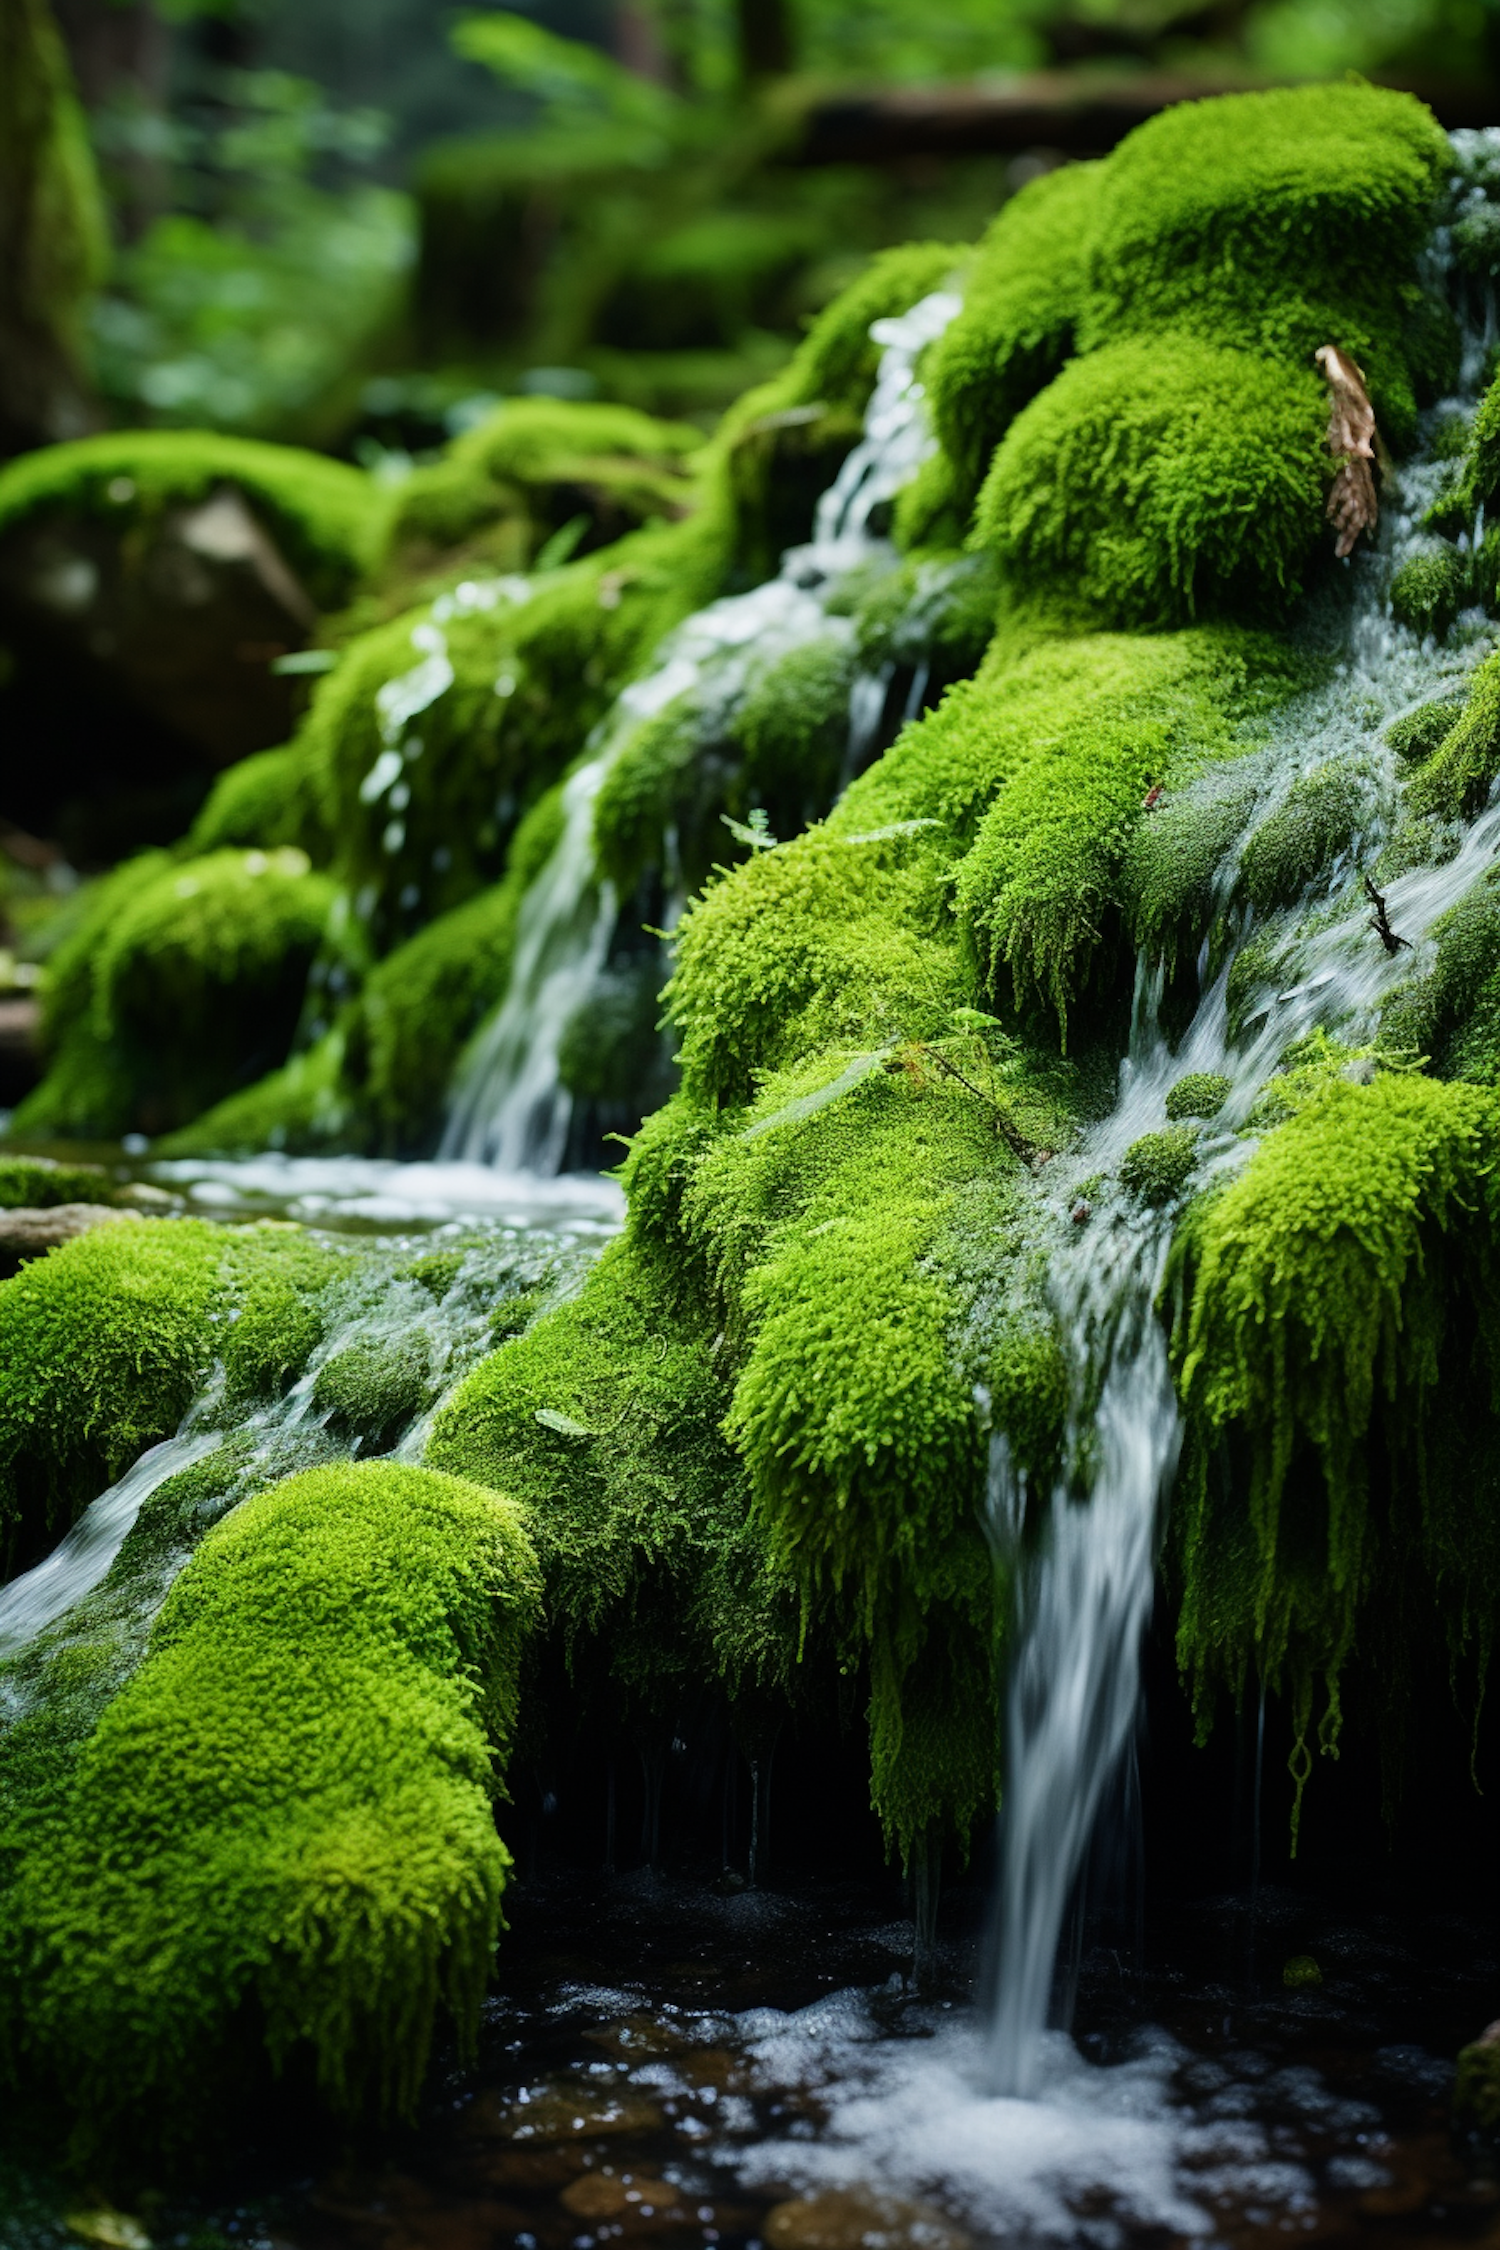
{"points": [[284, 1820], [186, 979], [1316, 824]]}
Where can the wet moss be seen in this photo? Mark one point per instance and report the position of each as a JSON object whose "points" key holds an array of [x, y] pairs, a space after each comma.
{"points": [[1456, 777], [1157, 1167], [1428, 592], [1318, 822], [1173, 873], [263, 802], [285, 1815], [39, 1183], [1419, 733], [1201, 1093], [1452, 1015]]}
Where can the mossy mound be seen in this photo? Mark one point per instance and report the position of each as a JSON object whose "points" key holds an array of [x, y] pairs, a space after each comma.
{"points": [[538, 473], [39, 1183], [183, 980], [284, 1820]]}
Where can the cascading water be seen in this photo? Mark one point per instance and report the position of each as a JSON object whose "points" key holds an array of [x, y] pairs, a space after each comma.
{"points": [[1083, 1582], [509, 1108]]}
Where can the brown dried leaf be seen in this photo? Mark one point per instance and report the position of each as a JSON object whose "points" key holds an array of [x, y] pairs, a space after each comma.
{"points": [[1352, 505]]}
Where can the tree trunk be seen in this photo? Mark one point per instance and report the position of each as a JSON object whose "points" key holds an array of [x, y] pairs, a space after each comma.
{"points": [[52, 235]]}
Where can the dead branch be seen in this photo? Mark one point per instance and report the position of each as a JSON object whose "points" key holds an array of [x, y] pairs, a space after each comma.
{"points": [[1380, 922]]}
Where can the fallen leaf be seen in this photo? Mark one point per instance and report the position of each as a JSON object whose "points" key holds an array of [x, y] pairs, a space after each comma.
{"points": [[1352, 505]]}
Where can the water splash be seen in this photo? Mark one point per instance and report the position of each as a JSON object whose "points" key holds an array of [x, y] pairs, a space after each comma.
{"points": [[509, 1107]]}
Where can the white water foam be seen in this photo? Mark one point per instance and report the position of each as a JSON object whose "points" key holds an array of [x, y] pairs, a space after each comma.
{"points": [[377, 1193]]}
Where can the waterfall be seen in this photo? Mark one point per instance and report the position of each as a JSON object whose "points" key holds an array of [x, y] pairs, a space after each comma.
{"points": [[509, 1108], [1082, 1570]]}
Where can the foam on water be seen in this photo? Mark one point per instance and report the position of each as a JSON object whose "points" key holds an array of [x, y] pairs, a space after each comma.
{"points": [[380, 1194]]}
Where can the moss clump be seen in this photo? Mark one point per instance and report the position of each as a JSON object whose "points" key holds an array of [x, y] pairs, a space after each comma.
{"points": [[1428, 592], [1327, 1295], [263, 802], [1452, 1015], [195, 983], [1275, 222], [1160, 479], [1476, 2086], [107, 1341], [1419, 733], [1157, 1167], [288, 1808], [326, 517], [1024, 294], [1456, 778], [612, 1052], [38, 1183], [1173, 875], [1202, 1093], [538, 471], [1304, 840]]}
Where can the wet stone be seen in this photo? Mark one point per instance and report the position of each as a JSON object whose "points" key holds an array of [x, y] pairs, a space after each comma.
{"points": [[626, 2196], [563, 2113], [859, 2218]]}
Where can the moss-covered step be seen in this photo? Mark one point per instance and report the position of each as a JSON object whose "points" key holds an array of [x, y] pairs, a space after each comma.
{"points": [[173, 567]]}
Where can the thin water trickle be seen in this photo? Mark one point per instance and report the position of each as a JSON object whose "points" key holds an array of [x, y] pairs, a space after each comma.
{"points": [[509, 1107]]}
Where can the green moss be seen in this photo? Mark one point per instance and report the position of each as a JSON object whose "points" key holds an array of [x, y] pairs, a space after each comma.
{"points": [[1160, 479], [1456, 778], [263, 801], [1173, 871], [1274, 222], [1157, 1167], [1419, 733], [611, 1049], [326, 517], [1319, 820], [306, 1105], [1428, 592], [107, 1341], [1452, 1015], [1325, 1295], [196, 981], [40, 1183], [1476, 2086], [285, 1817], [1201, 1093], [1023, 297], [536, 470]]}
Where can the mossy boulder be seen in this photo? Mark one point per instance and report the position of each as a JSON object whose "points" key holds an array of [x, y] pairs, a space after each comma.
{"points": [[283, 1823], [173, 567]]}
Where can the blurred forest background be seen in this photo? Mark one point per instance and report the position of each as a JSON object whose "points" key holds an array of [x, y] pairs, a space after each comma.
{"points": [[355, 224]]}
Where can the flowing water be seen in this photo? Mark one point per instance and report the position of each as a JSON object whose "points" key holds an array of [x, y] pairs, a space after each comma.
{"points": [[509, 1108]]}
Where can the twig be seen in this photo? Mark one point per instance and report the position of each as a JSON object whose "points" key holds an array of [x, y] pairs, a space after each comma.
{"points": [[1380, 922], [1030, 1152]]}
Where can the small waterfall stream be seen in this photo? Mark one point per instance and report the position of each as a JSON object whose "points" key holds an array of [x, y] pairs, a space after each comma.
{"points": [[1083, 1583], [509, 1108]]}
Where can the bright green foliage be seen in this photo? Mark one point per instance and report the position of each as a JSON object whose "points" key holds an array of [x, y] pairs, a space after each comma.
{"points": [[325, 517], [1173, 868], [106, 1342], [606, 1421], [1202, 1093], [1320, 818], [1160, 479], [195, 982], [38, 1183], [1428, 592], [1158, 1166], [287, 1807], [306, 1105], [1022, 301], [537, 470], [1482, 473], [1325, 1295], [1452, 1015], [1274, 222], [1456, 777]]}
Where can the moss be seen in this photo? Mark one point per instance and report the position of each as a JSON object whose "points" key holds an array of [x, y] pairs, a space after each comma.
{"points": [[1157, 1167], [1452, 1015], [1481, 480], [1319, 821], [1201, 1093], [196, 982], [305, 1105], [937, 609], [1324, 1295], [325, 516], [537, 470], [1172, 877], [1417, 734], [611, 1049], [264, 801], [1456, 778], [1428, 592], [1023, 297], [1274, 222], [108, 1340], [1160, 479], [606, 1421], [1476, 2086], [286, 1811], [40, 1183]]}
